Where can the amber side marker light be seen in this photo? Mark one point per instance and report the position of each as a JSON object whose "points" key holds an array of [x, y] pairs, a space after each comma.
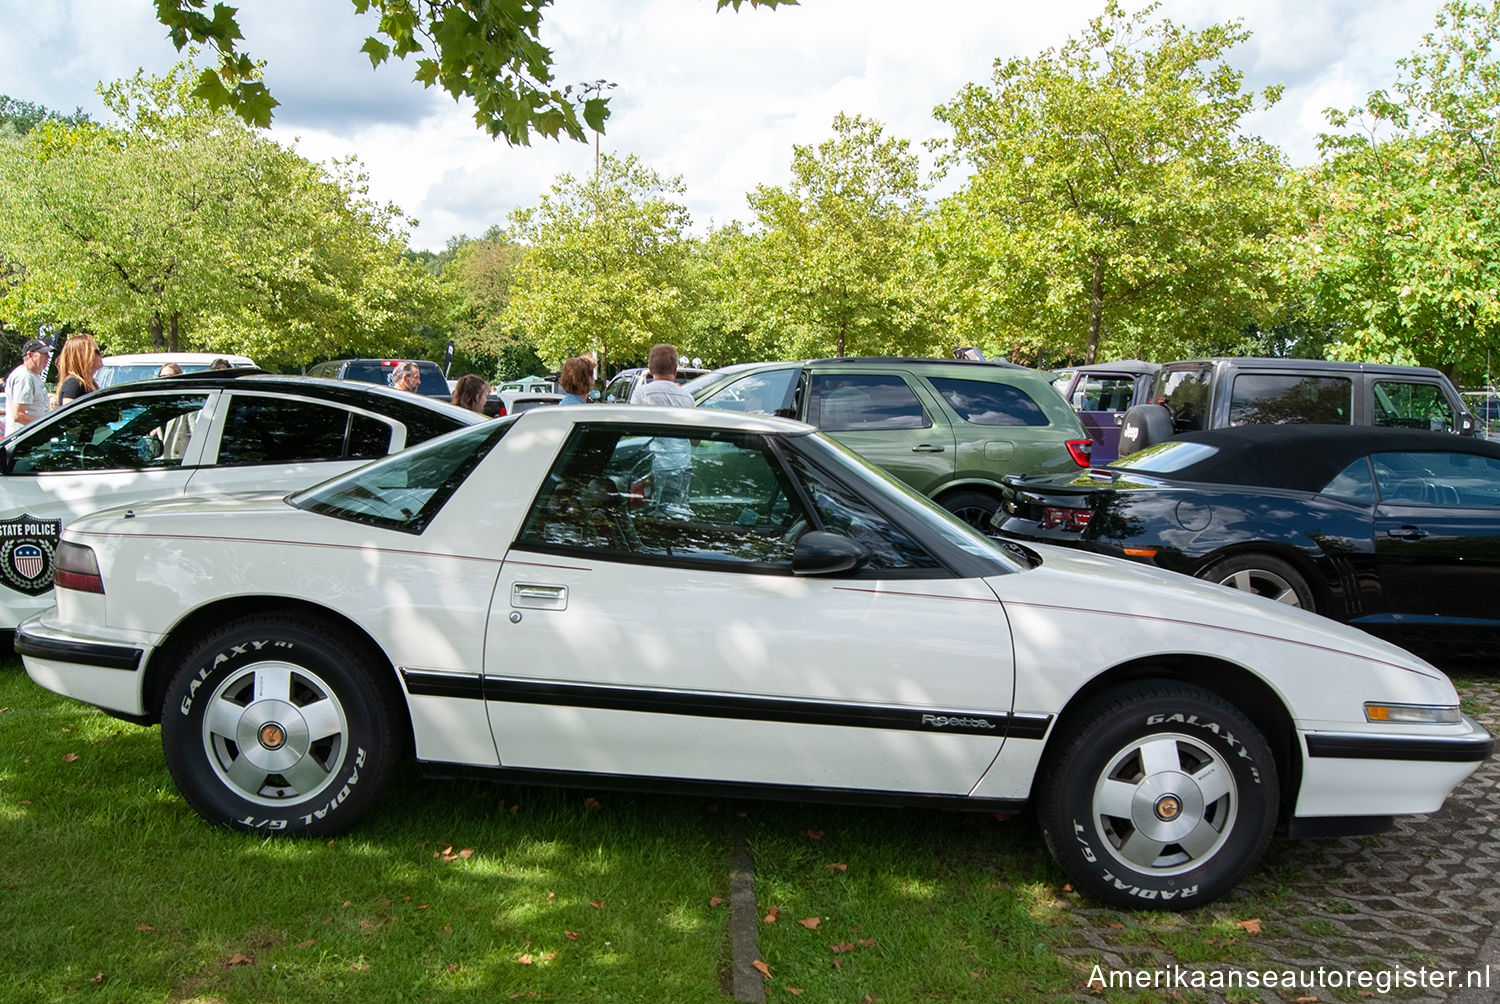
{"points": [[1140, 552], [1413, 714], [75, 567]]}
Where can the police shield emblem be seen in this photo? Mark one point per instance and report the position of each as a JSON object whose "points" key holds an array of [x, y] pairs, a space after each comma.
{"points": [[27, 545]]}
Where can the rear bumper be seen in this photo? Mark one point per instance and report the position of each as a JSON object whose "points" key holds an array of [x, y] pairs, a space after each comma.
{"points": [[99, 671]]}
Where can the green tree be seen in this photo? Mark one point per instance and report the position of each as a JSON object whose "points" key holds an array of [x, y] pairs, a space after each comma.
{"points": [[604, 266], [1113, 200], [225, 239], [1404, 214], [20, 117], [823, 270], [488, 51]]}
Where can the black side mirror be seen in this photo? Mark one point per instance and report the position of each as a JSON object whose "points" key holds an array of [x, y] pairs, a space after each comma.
{"points": [[819, 552]]}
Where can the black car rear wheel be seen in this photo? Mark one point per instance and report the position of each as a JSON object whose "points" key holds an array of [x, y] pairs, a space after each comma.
{"points": [[1264, 575]]}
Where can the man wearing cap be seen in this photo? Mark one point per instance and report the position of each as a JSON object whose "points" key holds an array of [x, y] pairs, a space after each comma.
{"points": [[25, 388]]}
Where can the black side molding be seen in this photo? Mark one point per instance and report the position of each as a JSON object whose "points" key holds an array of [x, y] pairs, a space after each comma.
{"points": [[85, 653]]}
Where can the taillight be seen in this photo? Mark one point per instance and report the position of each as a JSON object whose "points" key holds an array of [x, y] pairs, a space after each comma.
{"points": [[1081, 450], [1056, 517], [75, 567]]}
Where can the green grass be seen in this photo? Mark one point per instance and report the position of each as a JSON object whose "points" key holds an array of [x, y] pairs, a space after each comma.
{"points": [[112, 889]]}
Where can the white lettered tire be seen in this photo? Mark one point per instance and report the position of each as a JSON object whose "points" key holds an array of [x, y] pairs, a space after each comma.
{"points": [[1158, 794], [271, 726]]}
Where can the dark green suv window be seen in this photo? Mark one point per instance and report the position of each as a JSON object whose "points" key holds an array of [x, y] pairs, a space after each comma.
{"points": [[982, 402], [864, 402]]}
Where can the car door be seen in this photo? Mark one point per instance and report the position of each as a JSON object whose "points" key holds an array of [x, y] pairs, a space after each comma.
{"points": [[106, 450], [262, 441], [1101, 400], [1437, 533], [628, 639], [881, 417]]}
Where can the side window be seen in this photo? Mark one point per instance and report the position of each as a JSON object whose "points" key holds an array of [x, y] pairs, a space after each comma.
{"points": [[1446, 480], [1353, 482], [118, 433], [756, 394], [618, 390], [1410, 405], [271, 430], [1185, 393], [1103, 393], [640, 492], [864, 402], [1288, 399], [840, 511], [985, 402]]}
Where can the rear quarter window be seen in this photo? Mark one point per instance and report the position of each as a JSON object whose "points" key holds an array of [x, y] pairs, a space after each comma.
{"points": [[985, 402], [1289, 399]]}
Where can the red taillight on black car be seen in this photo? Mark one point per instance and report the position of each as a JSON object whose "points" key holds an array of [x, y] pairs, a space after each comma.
{"points": [[75, 567], [1056, 517]]}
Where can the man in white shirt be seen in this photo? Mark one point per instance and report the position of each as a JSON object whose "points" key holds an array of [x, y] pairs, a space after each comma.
{"points": [[26, 388], [671, 457]]}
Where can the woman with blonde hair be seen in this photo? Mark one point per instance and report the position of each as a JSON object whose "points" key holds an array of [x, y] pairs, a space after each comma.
{"points": [[77, 364], [471, 392]]}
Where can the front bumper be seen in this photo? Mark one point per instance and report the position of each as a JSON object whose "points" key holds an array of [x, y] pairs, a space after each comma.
{"points": [[1361, 774], [103, 672]]}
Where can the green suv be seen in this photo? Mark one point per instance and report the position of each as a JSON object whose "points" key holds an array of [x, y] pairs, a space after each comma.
{"points": [[949, 428]]}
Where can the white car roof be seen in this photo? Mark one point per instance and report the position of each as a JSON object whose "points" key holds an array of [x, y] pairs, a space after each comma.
{"points": [[204, 358], [565, 414]]}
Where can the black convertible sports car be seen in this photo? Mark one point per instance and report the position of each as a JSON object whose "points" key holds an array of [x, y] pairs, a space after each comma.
{"points": [[1395, 531]]}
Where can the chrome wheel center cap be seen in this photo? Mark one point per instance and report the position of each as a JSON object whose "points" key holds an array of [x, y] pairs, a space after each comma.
{"points": [[1168, 808]]}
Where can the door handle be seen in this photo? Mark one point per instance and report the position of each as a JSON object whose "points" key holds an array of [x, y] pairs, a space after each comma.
{"points": [[538, 597], [1407, 533], [927, 448]]}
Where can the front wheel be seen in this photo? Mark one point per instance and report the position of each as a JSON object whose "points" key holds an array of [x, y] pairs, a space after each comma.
{"points": [[270, 725], [1159, 795]]}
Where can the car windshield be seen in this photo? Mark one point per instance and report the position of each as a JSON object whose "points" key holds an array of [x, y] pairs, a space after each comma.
{"points": [[110, 375], [407, 489], [1165, 458]]}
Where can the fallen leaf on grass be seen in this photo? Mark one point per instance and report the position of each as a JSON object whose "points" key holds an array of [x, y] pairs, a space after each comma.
{"points": [[308, 943], [238, 959], [1251, 927], [865, 942], [525, 960], [794, 991], [842, 946], [592, 804], [771, 917], [716, 901], [144, 927], [69, 757], [98, 978], [811, 835], [571, 935], [811, 923], [597, 904], [837, 867], [359, 967], [762, 968]]}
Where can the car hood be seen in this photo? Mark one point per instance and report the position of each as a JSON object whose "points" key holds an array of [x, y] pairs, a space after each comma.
{"points": [[247, 514], [1072, 579]]}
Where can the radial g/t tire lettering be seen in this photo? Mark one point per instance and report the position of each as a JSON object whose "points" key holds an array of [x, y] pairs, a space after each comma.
{"points": [[271, 725], [1158, 795]]}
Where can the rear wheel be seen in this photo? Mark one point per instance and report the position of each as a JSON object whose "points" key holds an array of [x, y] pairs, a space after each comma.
{"points": [[1264, 575], [974, 507], [1158, 794], [272, 725]]}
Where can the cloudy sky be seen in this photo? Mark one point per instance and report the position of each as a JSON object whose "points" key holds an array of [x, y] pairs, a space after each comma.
{"points": [[717, 98]]}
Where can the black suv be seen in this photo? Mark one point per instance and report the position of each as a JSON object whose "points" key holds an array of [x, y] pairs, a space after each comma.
{"points": [[1218, 393]]}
